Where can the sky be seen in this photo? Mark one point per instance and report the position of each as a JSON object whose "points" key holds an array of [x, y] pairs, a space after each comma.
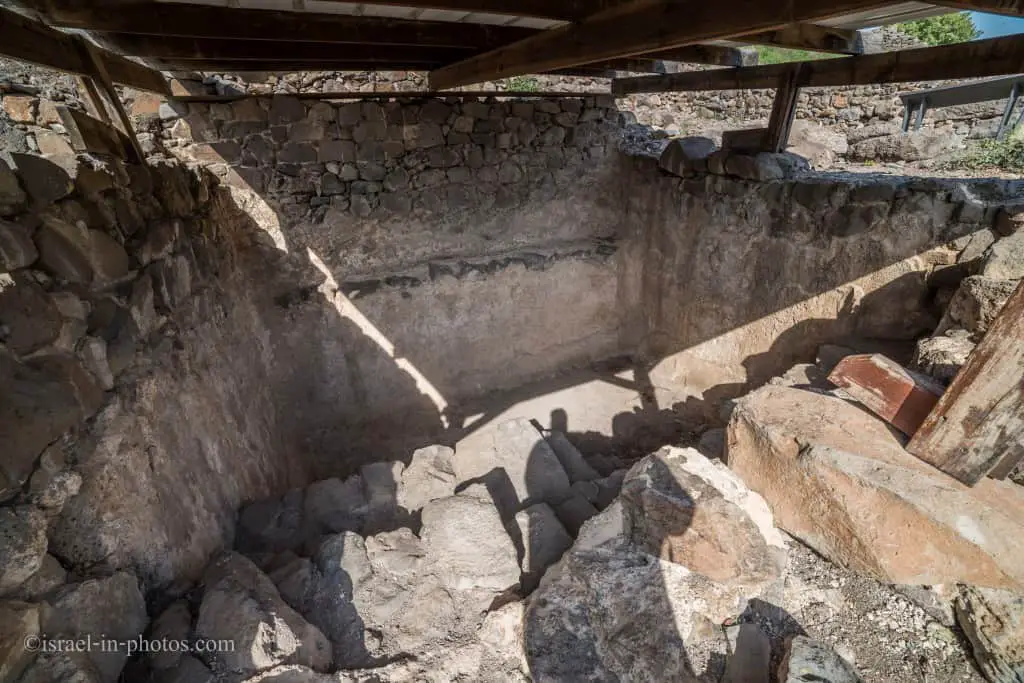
{"points": [[993, 25]]}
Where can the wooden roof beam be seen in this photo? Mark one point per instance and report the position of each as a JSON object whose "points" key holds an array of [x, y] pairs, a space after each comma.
{"points": [[175, 49], [992, 57], [202, 21], [810, 37], [1010, 8], [638, 28], [26, 40], [555, 10]]}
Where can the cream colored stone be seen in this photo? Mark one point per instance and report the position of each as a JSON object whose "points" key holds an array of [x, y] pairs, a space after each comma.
{"points": [[840, 480]]}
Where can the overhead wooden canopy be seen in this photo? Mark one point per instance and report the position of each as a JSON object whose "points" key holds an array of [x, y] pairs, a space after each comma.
{"points": [[461, 42]]}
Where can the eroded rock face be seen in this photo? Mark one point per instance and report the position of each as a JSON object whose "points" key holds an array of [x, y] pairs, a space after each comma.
{"points": [[112, 607], [241, 604], [838, 479], [993, 620], [942, 357], [685, 509], [22, 545], [976, 304], [808, 661]]}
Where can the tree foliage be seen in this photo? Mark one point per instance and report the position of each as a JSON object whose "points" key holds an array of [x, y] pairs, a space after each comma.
{"points": [[943, 29]]}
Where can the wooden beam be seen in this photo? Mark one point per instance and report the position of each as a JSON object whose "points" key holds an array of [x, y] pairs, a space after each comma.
{"points": [[201, 21], [714, 55], [556, 10], [978, 423], [290, 65], [810, 37], [92, 99], [179, 49], [643, 26], [1010, 8], [405, 94], [91, 54], [30, 41], [783, 110], [992, 57], [88, 134]]}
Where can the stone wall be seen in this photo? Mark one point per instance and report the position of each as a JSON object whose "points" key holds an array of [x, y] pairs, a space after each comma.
{"points": [[750, 263], [342, 282]]}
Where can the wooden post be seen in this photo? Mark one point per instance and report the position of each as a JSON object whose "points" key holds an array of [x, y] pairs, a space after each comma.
{"points": [[91, 56], [978, 425], [783, 110], [93, 100]]}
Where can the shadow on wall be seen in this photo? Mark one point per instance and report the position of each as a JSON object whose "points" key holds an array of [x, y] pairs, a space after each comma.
{"points": [[708, 286]]}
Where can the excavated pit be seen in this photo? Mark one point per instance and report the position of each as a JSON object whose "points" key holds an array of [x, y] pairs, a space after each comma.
{"points": [[332, 287]]}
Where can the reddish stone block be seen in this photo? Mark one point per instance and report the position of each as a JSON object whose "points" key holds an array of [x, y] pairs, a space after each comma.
{"points": [[901, 397]]}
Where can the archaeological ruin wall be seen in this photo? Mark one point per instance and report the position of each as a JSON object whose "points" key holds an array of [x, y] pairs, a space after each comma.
{"points": [[337, 283]]}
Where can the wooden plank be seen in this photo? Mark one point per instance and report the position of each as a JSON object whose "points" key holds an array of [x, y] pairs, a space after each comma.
{"points": [[30, 41], [810, 37], [88, 134], [99, 74], [404, 94], [979, 422], [638, 28], [783, 111], [288, 65], [559, 10], [200, 21], [899, 396], [179, 49], [714, 55], [92, 99], [992, 57]]}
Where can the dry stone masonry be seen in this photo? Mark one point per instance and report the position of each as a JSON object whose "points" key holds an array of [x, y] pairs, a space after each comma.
{"points": [[264, 389]]}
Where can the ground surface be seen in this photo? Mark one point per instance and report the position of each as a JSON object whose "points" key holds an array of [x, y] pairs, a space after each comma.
{"points": [[888, 637]]}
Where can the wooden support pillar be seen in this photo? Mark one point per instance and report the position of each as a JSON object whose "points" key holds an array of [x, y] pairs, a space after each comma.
{"points": [[783, 110], [977, 427], [99, 76], [93, 100], [1008, 112]]}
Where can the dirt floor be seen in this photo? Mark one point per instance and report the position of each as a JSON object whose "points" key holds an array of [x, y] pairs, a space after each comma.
{"points": [[885, 634]]}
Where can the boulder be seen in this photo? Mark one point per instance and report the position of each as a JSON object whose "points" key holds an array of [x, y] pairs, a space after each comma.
{"points": [[16, 247], [808, 661], [44, 181], [429, 476], [19, 621], [272, 525], [12, 197], [750, 654], [112, 608], [759, 167], [993, 621], [574, 511], [839, 479], [173, 625], [22, 545], [913, 146], [28, 319], [73, 667], [819, 145], [188, 670], [684, 508], [342, 567], [976, 304], [1004, 260], [544, 540], [942, 357], [516, 464], [43, 398], [712, 443], [78, 254], [616, 613], [468, 547], [678, 156], [240, 603], [333, 505], [380, 487], [608, 488], [572, 461], [49, 577]]}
